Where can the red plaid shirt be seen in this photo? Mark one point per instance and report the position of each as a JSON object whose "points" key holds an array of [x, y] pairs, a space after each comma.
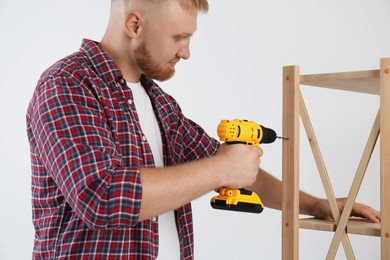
{"points": [[86, 150]]}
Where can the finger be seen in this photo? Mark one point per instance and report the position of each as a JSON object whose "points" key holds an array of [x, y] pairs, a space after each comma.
{"points": [[376, 215], [260, 152], [369, 213], [374, 219], [372, 216]]}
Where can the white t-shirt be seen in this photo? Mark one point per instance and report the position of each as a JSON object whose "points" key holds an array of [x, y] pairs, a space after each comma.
{"points": [[168, 238]]}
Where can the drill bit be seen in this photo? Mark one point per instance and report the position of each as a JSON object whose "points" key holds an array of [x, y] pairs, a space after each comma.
{"points": [[282, 137]]}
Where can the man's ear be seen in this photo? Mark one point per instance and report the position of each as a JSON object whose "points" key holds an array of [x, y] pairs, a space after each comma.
{"points": [[132, 24]]}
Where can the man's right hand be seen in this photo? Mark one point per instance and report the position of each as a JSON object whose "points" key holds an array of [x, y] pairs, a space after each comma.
{"points": [[239, 164]]}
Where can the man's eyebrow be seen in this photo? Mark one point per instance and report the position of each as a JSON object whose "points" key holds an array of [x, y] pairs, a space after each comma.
{"points": [[183, 35]]}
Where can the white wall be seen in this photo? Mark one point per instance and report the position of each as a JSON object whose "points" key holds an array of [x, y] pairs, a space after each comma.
{"points": [[234, 72]]}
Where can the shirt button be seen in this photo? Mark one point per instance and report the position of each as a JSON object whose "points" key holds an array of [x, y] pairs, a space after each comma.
{"points": [[129, 101], [122, 81], [144, 138], [154, 219]]}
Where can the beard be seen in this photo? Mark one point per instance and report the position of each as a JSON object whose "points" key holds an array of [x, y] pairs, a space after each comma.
{"points": [[150, 67]]}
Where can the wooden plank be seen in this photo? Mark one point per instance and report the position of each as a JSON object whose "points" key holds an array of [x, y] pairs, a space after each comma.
{"points": [[358, 81], [384, 157], [355, 226], [364, 227], [290, 164], [317, 224]]}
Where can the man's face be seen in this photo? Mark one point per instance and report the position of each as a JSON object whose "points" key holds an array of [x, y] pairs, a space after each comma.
{"points": [[166, 41]]}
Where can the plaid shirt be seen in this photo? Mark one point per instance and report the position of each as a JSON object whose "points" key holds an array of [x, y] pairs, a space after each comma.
{"points": [[86, 151]]}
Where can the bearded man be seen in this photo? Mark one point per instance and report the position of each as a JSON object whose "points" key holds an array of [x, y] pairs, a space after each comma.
{"points": [[115, 163]]}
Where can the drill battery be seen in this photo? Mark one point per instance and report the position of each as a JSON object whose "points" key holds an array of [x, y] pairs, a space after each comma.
{"points": [[237, 200]]}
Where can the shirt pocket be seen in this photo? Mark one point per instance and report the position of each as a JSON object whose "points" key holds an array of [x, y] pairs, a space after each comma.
{"points": [[175, 146]]}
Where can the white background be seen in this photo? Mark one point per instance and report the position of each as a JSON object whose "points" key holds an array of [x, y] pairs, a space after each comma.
{"points": [[234, 72]]}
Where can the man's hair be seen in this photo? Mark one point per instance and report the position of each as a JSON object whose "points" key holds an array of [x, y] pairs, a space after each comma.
{"points": [[198, 5]]}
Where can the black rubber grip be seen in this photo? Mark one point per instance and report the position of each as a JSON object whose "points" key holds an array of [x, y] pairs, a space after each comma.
{"points": [[269, 135]]}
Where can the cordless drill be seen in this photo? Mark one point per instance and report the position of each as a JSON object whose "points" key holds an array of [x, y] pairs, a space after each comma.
{"points": [[239, 131]]}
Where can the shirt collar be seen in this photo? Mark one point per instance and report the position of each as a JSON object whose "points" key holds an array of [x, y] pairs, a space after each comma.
{"points": [[106, 67], [102, 63]]}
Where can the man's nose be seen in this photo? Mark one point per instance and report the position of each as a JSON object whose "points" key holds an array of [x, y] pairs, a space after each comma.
{"points": [[184, 52]]}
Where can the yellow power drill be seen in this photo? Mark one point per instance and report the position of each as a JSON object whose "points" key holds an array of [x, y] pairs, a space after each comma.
{"points": [[239, 131]]}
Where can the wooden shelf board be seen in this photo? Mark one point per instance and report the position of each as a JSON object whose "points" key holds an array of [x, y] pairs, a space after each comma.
{"points": [[367, 81], [355, 226]]}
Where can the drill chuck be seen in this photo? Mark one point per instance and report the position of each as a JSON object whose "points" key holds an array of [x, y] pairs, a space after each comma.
{"points": [[269, 135]]}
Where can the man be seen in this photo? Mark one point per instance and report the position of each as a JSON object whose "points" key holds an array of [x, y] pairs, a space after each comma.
{"points": [[113, 158]]}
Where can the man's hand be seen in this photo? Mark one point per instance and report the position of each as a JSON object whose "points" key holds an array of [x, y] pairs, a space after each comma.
{"points": [[238, 164], [322, 210]]}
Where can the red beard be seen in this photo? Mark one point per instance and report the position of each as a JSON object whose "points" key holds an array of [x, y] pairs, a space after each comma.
{"points": [[149, 67]]}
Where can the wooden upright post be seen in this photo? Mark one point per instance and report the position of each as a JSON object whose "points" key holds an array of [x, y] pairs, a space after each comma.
{"points": [[290, 169], [385, 156]]}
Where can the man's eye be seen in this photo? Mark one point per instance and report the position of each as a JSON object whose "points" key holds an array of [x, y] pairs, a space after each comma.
{"points": [[178, 38]]}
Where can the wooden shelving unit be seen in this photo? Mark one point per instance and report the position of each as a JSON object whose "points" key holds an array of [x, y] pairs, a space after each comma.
{"points": [[371, 82]]}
